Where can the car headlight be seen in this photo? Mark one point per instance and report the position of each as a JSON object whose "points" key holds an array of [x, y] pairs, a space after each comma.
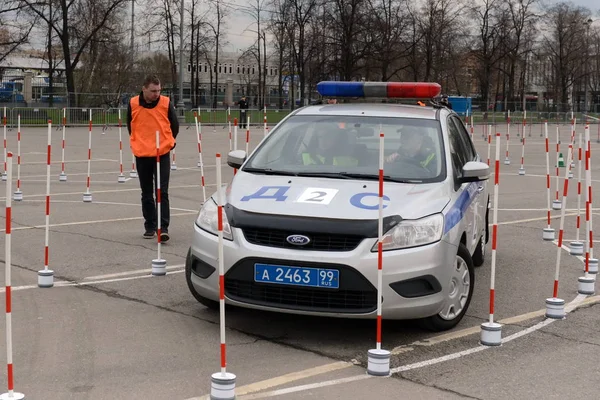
{"points": [[208, 219], [411, 233]]}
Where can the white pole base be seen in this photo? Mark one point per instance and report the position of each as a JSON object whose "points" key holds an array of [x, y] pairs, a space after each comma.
{"points": [[174, 167], [4, 177], [222, 386], [159, 267], [12, 396], [548, 234], [570, 175], [593, 266], [45, 278], [521, 171], [556, 204], [555, 308], [133, 174], [379, 362], [18, 195], [199, 164], [491, 334], [87, 197], [586, 285], [507, 161], [62, 177], [576, 248]]}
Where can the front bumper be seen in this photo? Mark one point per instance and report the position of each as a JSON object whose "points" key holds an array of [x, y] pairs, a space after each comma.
{"points": [[414, 280]]}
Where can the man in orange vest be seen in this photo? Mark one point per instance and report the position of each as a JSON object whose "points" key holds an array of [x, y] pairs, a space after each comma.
{"points": [[147, 113]]}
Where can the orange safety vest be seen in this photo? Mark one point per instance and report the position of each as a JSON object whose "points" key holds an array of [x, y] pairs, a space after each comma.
{"points": [[144, 124]]}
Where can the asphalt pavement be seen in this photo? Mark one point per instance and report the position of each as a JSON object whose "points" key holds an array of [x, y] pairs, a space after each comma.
{"points": [[108, 329]]}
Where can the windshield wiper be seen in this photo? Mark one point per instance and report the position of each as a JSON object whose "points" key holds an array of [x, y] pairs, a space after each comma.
{"points": [[387, 178], [336, 175], [270, 171]]}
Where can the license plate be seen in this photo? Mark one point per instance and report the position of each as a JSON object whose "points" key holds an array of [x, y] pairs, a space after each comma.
{"points": [[301, 276]]}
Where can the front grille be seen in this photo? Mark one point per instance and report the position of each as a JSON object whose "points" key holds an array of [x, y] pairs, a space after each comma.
{"points": [[355, 295], [318, 241]]}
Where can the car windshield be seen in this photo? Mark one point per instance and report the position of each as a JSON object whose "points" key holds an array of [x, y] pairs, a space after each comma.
{"points": [[347, 147]]}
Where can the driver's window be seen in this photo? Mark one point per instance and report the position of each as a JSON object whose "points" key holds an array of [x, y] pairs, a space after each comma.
{"points": [[459, 158]]}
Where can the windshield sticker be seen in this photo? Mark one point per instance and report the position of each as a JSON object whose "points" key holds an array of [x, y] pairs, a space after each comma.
{"points": [[357, 201], [317, 196], [277, 193]]}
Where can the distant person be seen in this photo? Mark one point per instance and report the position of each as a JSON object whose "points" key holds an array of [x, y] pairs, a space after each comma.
{"points": [[147, 113], [243, 103]]}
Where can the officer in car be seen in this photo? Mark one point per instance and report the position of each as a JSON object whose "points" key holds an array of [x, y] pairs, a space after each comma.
{"points": [[328, 148], [416, 146]]}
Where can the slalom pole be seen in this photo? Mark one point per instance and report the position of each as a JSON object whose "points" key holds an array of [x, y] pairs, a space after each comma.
{"points": [[548, 232], [576, 247], [46, 276], [121, 178], [87, 196], [18, 195], [159, 266], [63, 176]]}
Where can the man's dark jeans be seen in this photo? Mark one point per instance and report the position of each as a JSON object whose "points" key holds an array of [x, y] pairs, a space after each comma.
{"points": [[146, 168]]}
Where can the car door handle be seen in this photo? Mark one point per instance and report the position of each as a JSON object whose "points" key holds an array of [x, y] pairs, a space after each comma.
{"points": [[480, 189]]}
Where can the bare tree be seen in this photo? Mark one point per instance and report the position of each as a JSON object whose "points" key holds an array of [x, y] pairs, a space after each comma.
{"points": [[13, 34], [215, 28]]}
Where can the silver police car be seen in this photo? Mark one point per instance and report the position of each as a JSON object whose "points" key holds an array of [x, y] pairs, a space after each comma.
{"points": [[301, 216]]}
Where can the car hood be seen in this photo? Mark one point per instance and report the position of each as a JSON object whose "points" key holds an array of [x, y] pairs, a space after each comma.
{"points": [[332, 198]]}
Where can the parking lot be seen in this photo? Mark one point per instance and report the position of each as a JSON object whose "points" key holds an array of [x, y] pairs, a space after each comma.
{"points": [[108, 329]]}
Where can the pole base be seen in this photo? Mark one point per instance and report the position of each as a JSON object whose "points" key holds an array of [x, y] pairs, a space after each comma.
{"points": [[379, 362], [18, 195], [555, 308], [556, 204], [199, 164], [586, 285], [15, 396], [87, 197], [133, 174], [507, 161], [548, 234], [62, 177], [593, 266], [174, 167], [159, 267], [4, 176], [121, 178], [576, 248], [491, 334], [521, 171], [570, 176], [222, 386], [45, 278]]}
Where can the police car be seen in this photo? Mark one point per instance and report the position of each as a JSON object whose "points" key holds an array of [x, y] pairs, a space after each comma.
{"points": [[301, 215]]}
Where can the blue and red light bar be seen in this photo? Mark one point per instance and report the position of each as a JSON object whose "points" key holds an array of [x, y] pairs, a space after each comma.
{"points": [[399, 90]]}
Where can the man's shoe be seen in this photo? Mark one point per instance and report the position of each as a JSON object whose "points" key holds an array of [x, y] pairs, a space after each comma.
{"points": [[149, 234], [164, 237]]}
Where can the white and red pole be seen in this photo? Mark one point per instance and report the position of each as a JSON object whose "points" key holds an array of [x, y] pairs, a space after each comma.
{"points": [[18, 195], [46, 276], [199, 139], [548, 232], [507, 159], [556, 204], [229, 125], [586, 282], [379, 359], [247, 135], [4, 122], [522, 169], [265, 129], [235, 136], [576, 247], [554, 305], [222, 383], [159, 266], [121, 178], [87, 196], [491, 332], [11, 394], [489, 141], [63, 177]]}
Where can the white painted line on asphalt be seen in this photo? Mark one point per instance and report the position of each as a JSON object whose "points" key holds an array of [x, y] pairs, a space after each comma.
{"points": [[544, 176], [125, 273], [96, 282], [112, 191], [107, 202], [66, 161], [100, 221], [519, 221], [578, 301]]}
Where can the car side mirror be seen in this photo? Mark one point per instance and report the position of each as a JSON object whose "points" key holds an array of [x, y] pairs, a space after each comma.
{"points": [[236, 158], [475, 171]]}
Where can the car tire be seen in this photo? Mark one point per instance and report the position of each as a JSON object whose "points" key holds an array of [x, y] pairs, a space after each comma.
{"points": [[211, 304], [462, 270]]}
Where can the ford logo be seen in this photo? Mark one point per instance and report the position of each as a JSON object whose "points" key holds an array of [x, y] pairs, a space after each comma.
{"points": [[299, 240]]}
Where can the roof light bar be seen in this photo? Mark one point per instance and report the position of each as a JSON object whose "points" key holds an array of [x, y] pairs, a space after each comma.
{"points": [[402, 90]]}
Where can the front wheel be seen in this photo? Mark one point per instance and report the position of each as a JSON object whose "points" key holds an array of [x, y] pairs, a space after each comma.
{"points": [[460, 293]]}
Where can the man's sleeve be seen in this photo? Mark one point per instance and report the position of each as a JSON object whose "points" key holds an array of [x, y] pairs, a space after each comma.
{"points": [[173, 120], [129, 118]]}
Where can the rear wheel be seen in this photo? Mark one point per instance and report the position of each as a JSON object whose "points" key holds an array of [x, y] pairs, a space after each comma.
{"points": [[460, 293]]}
